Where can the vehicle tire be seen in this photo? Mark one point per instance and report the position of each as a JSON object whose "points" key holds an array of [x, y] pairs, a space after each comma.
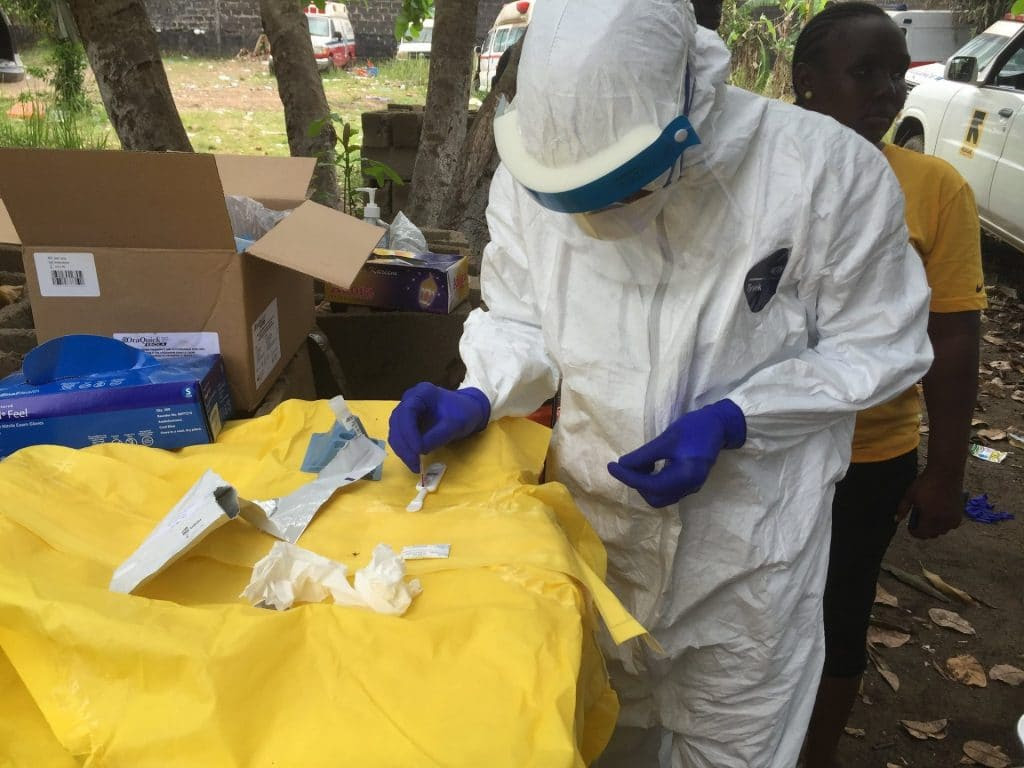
{"points": [[914, 142]]}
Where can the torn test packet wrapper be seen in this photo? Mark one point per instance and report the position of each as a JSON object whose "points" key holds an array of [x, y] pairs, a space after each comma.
{"points": [[213, 501], [357, 456], [290, 573], [209, 504]]}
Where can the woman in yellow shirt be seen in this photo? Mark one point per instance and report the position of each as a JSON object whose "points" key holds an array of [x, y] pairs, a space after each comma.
{"points": [[849, 63]]}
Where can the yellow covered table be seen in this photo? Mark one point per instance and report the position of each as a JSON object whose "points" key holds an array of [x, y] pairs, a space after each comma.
{"points": [[494, 664]]}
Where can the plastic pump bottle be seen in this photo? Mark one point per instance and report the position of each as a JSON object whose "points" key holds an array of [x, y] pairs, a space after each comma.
{"points": [[371, 213]]}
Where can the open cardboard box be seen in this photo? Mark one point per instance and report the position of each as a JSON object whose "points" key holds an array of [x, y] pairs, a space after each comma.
{"points": [[136, 243]]}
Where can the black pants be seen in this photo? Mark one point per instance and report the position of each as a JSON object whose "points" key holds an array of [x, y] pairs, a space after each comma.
{"points": [[863, 524]]}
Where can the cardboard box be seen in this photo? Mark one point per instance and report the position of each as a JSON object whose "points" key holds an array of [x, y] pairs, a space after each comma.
{"points": [[137, 243], [168, 405], [430, 282]]}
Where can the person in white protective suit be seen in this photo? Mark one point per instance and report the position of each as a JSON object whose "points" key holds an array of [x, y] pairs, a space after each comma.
{"points": [[716, 283]]}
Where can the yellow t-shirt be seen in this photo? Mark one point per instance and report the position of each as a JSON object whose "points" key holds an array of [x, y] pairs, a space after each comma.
{"points": [[944, 230]]}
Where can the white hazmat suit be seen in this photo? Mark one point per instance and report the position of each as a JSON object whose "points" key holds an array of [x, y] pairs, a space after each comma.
{"points": [[776, 273]]}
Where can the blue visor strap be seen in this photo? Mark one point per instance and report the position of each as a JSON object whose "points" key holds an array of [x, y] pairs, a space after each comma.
{"points": [[628, 178]]}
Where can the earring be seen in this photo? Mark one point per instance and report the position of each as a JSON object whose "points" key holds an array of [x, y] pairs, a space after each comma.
{"points": [[808, 95]]}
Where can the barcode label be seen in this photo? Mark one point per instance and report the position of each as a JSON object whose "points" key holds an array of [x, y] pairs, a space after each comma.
{"points": [[67, 274], [67, 277]]}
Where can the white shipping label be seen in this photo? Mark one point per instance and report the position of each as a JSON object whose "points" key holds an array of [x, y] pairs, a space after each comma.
{"points": [[67, 274], [266, 343], [172, 346]]}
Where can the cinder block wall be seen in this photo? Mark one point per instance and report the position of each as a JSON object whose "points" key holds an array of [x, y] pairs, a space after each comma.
{"points": [[392, 136], [206, 27], [224, 27]]}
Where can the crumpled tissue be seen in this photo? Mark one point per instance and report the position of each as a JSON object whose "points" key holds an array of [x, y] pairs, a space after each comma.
{"points": [[290, 573]]}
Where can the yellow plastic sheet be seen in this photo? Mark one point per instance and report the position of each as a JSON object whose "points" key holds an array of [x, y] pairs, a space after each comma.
{"points": [[494, 664]]}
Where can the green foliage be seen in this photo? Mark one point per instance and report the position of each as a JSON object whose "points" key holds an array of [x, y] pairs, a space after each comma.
{"points": [[35, 14], [409, 20], [352, 167], [51, 128], [411, 72], [980, 13], [68, 76], [761, 35]]}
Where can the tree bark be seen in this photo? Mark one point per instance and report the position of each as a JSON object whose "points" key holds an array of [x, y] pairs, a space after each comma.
{"points": [[444, 119], [125, 57], [467, 207], [302, 93]]}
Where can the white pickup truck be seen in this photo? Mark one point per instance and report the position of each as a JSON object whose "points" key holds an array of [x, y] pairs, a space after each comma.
{"points": [[973, 117]]}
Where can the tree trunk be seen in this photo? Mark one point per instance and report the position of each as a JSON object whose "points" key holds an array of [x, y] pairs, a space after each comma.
{"points": [[302, 93], [467, 207], [444, 120], [123, 52]]}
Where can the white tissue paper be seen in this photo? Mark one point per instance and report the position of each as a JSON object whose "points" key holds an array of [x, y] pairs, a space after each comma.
{"points": [[290, 574]]}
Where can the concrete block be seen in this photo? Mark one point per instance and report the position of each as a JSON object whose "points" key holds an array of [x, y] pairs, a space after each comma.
{"points": [[384, 353], [10, 362], [17, 340], [17, 315], [401, 161], [376, 131], [10, 259], [406, 128]]}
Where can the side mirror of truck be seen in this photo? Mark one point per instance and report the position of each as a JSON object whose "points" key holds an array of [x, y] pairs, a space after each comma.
{"points": [[962, 69]]}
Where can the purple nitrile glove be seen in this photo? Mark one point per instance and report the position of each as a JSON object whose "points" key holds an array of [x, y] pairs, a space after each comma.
{"points": [[689, 448], [981, 510], [428, 417]]}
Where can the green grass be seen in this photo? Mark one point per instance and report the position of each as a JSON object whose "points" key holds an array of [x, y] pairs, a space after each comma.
{"points": [[412, 72], [231, 106], [236, 132]]}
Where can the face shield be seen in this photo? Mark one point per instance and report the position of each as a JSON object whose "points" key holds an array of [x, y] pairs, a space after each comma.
{"points": [[603, 110]]}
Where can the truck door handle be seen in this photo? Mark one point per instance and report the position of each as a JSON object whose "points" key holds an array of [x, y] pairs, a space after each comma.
{"points": [[1006, 112]]}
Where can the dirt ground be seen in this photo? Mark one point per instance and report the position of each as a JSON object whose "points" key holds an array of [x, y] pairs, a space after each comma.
{"points": [[987, 561]]}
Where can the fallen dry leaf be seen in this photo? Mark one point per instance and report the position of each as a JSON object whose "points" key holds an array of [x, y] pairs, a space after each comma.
{"points": [[951, 620], [1001, 365], [965, 760], [885, 597], [988, 755], [1018, 395], [932, 729], [891, 678], [993, 339], [857, 733], [890, 638], [923, 429], [943, 672], [945, 587], [883, 669], [966, 669], [978, 423], [994, 435], [1007, 673]]}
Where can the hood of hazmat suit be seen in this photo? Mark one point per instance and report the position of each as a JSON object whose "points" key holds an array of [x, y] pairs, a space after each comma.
{"points": [[777, 273]]}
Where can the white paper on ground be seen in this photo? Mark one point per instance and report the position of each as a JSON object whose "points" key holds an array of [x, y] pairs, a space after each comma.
{"points": [[209, 504], [290, 574]]}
